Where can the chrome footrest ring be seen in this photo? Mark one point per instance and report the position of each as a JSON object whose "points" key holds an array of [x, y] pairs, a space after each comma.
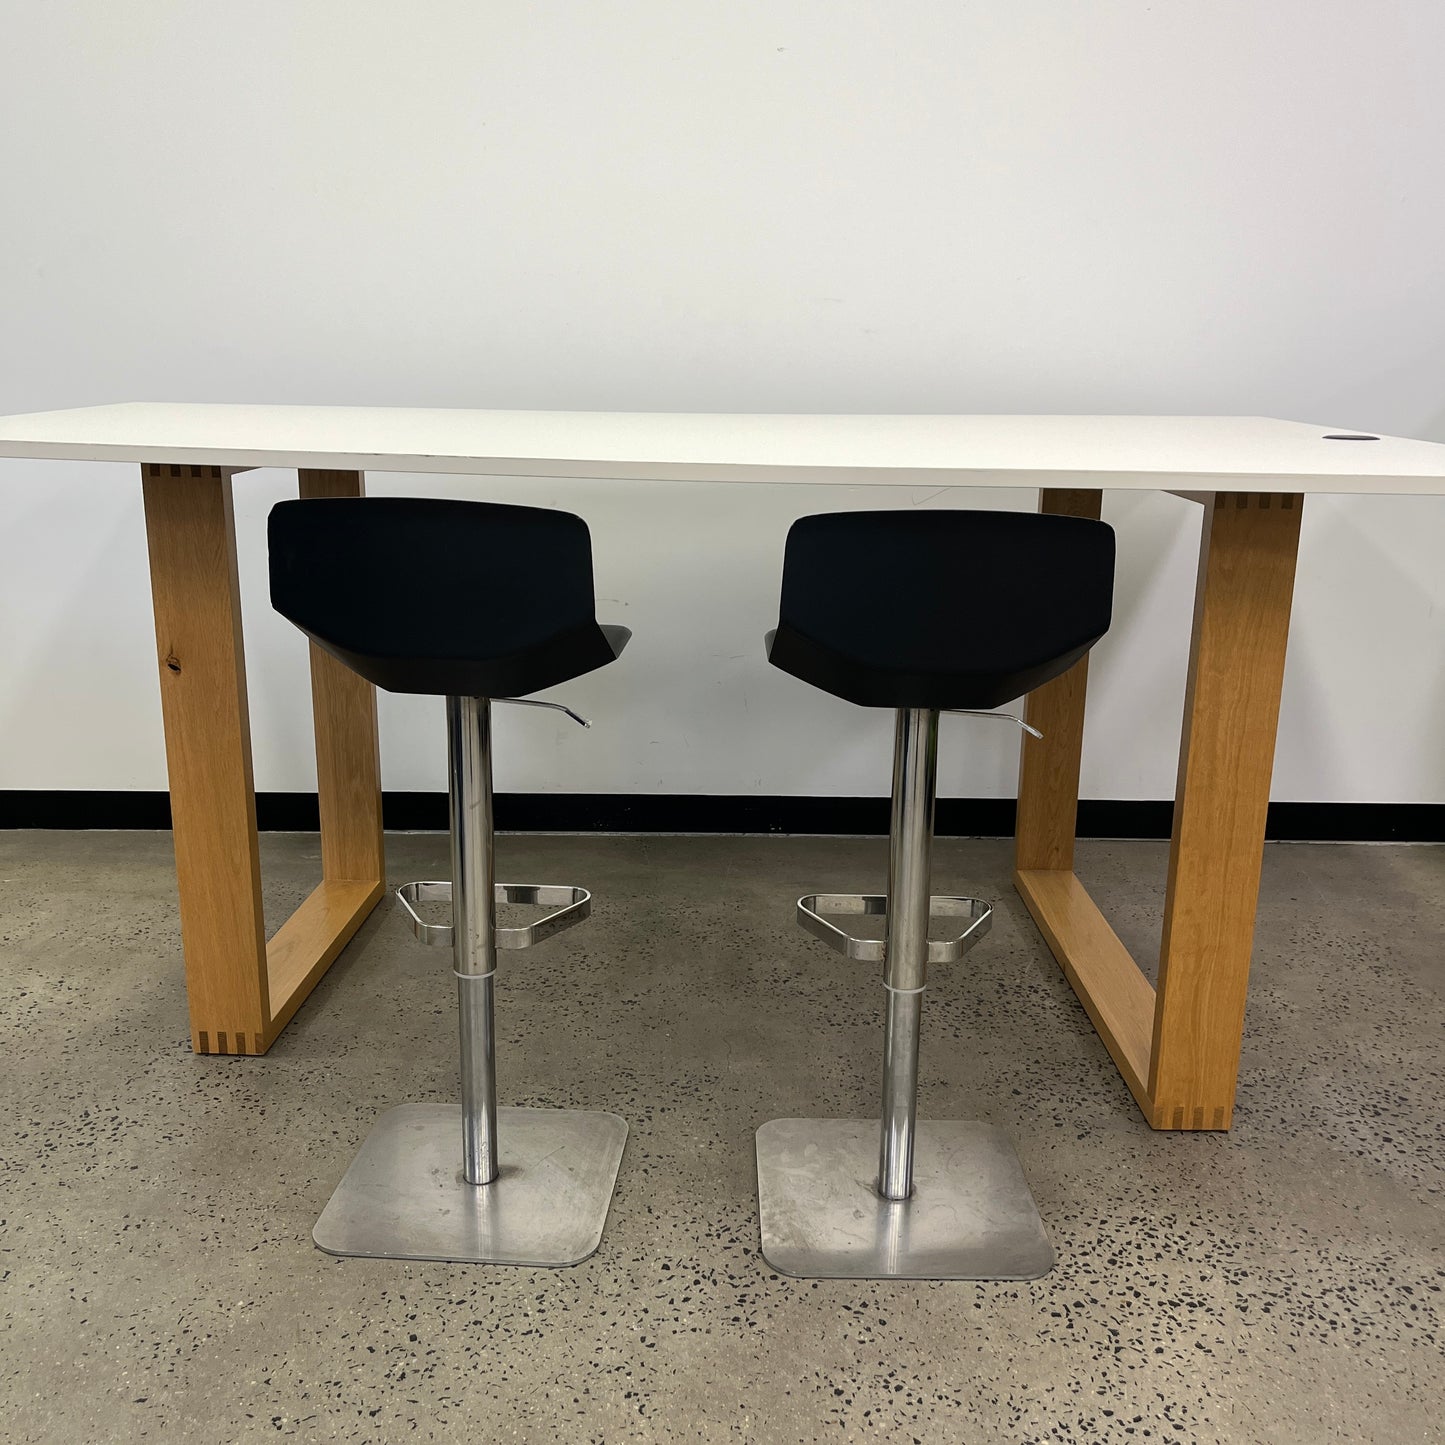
{"points": [[569, 906], [439, 935], [812, 907]]}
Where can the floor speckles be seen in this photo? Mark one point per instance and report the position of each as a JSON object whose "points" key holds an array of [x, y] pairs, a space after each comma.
{"points": [[157, 1278]]}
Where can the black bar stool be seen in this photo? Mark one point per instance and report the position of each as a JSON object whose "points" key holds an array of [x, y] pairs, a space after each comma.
{"points": [[477, 602], [922, 612]]}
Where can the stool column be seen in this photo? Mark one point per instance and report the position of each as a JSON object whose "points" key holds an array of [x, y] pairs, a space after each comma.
{"points": [[474, 924], [910, 847]]}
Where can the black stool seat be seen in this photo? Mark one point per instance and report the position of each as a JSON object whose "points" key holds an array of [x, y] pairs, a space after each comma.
{"points": [[955, 609], [427, 595]]}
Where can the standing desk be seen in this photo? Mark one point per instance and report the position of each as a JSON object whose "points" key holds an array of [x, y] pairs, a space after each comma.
{"points": [[1176, 1045]]}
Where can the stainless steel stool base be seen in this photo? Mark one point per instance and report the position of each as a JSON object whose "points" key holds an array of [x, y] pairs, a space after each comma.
{"points": [[404, 1196], [970, 1215]]}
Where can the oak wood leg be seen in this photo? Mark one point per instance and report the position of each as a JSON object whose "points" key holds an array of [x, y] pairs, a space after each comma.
{"points": [[1178, 1048], [348, 787], [1231, 711], [1049, 766], [191, 536], [242, 990], [1115, 994], [348, 754]]}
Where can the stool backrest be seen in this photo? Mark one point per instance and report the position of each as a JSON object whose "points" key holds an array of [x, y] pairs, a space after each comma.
{"points": [[414, 577], [916, 589]]}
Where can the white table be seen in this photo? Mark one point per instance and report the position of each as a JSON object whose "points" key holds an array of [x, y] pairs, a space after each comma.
{"points": [[1176, 1046]]}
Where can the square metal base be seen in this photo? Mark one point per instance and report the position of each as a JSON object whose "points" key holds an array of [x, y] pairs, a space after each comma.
{"points": [[970, 1216], [404, 1196]]}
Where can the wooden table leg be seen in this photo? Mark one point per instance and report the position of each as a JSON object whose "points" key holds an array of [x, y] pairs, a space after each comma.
{"points": [[348, 788], [241, 989], [1177, 1048], [1231, 710], [1115, 994], [1049, 767], [196, 595]]}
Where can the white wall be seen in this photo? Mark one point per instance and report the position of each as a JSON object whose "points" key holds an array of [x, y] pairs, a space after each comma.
{"points": [[760, 205]]}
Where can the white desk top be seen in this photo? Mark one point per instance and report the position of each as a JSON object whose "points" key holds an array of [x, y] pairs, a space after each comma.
{"points": [[1209, 453]]}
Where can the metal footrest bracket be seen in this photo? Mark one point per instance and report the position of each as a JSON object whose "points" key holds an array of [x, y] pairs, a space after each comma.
{"points": [[569, 906], [812, 907]]}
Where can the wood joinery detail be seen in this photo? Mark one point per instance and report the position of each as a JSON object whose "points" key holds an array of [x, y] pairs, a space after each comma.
{"points": [[1178, 1047], [241, 989]]}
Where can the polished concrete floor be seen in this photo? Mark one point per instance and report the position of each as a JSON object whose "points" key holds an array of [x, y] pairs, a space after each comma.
{"points": [[158, 1281]]}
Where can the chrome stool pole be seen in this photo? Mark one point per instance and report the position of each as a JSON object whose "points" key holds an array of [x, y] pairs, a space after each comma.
{"points": [[535, 1185], [910, 850], [474, 926], [955, 1207]]}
